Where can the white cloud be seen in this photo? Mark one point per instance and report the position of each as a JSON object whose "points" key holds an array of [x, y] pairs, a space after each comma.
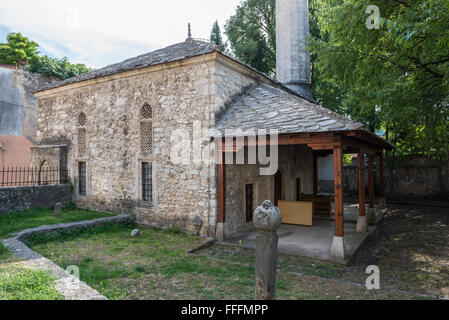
{"points": [[101, 32]]}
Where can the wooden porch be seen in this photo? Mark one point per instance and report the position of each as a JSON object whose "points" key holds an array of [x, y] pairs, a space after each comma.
{"points": [[362, 142]]}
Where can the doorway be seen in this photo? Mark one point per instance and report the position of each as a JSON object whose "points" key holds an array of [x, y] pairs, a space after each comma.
{"points": [[277, 188], [249, 202]]}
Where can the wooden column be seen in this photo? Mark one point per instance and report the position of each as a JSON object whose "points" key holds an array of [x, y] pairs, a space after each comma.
{"points": [[338, 190], [361, 161], [381, 179], [222, 189], [371, 180], [315, 174]]}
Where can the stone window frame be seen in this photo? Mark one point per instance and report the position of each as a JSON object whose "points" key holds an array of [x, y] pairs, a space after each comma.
{"points": [[140, 201], [255, 182], [145, 120], [81, 122]]}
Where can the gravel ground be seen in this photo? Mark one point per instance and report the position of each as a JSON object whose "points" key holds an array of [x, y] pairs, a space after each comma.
{"points": [[411, 248]]}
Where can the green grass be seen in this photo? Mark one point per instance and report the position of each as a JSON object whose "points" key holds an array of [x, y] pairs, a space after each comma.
{"points": [[20, 220], [4, 252], [155, 266], [18, 283]]}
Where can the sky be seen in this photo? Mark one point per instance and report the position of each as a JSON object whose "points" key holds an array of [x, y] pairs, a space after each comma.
{"points": [[101, 32]]}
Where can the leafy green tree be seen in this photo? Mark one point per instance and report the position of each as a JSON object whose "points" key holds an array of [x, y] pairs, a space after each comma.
{"points": [[59, 68], [252, 36], [215, 37], [18, 49], [395, 77]]}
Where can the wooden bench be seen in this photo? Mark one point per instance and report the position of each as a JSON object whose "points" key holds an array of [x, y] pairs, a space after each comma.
{"points": [[322, 205], [296, 212]]}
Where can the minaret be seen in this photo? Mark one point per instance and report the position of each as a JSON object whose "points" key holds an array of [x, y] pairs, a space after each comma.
{"points": [[292, 59]]}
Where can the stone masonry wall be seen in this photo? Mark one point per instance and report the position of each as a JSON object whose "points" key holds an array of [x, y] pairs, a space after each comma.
{"points": [[407, 177], [183, 194], [23, 198], [179, 96]]}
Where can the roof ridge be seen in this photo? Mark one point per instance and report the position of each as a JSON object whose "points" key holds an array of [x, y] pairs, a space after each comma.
{"points": [[174, 52]]}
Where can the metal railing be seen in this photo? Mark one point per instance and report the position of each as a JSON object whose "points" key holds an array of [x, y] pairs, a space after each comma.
{"points": [[22, 176]]}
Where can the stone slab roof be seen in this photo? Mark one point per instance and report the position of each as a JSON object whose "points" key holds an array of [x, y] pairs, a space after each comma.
{"points": [[271, 108], [179, 51]]}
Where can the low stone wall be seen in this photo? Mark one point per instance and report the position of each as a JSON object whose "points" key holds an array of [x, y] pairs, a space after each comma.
{"points": [[66, 284], [407, 177], [23, 198]]}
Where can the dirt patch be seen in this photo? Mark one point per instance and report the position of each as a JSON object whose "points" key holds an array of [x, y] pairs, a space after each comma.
{"points": [[411, 248]]}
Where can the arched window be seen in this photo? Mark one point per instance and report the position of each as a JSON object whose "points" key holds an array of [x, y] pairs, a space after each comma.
{"points": [[82, 119], [146, 130], [82, 140]]}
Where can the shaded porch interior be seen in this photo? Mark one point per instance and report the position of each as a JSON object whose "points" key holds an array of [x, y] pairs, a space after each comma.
{"points": [[347, 224]]}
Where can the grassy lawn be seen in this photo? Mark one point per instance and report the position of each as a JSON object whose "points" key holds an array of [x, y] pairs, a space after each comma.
{"points": [[155, 266], [18, 282], [21, 220]]}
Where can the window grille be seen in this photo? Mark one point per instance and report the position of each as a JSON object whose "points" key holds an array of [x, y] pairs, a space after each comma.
{"points": [[147, 182], [146, 130], [82, 178]]}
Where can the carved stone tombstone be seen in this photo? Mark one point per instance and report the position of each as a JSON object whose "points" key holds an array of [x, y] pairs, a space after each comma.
{"points": [[58, 209], [267, 220]]}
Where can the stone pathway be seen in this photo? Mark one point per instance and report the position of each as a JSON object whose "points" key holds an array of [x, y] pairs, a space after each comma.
{"points": [[67, 284]]}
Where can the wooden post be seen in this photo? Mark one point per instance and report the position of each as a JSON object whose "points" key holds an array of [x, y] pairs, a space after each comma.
{"points": [[361, 220], [371, 214], [338, 191], [315, 174], [382, 203], [338, 248], [361, 161], [221, 196], [222, 189]]}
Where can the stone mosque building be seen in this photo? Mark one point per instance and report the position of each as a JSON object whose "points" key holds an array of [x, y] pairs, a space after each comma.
{"points": [[112, 129]]}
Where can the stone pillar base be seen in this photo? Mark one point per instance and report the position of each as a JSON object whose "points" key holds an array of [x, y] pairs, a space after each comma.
{"points": [[362, 224], [219, 233], [371, 216], [382, 203], [338, 248]]}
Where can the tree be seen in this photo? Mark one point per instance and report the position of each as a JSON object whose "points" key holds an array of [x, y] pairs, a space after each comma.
{"points": [[18, 49], [252, 36], [59, 68], [395, 77], [215, 37]]}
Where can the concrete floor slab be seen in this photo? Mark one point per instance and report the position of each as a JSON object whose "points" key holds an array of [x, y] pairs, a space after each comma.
{"points": [[313, 242]]}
